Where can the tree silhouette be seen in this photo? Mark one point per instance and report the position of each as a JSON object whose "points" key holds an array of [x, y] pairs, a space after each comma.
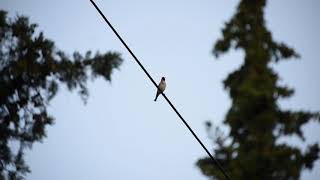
{"points": [[31, 71], [256, 121]]}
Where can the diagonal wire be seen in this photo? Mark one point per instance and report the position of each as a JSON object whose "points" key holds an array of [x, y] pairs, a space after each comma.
{"points": [[154, 83]]}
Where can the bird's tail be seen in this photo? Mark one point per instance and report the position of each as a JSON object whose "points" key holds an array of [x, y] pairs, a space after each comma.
{"points": [[155, 99]]}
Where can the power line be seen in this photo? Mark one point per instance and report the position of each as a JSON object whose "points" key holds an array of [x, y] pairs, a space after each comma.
{"points": [[154, 83]]}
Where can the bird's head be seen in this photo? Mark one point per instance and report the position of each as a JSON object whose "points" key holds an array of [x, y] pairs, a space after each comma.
{"points": [[163, 79]]}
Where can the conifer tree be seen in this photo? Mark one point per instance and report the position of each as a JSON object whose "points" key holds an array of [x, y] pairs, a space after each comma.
{"points": [[31, 71], [256, 121]]}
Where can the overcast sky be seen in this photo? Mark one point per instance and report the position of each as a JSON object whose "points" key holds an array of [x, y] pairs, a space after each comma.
{"points": [[122, 133]]}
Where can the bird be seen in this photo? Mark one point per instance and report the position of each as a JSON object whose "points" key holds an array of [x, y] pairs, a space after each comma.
{"points": [[161, 87]]}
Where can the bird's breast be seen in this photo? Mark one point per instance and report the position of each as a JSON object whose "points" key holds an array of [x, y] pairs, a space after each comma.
{"points": [[162, 86]]}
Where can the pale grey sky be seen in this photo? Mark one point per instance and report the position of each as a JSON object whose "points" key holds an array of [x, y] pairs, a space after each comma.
{"points": [[130, 136]]}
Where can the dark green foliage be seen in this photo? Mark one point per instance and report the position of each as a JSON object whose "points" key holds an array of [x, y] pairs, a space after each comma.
{"points": [[31, 70], [256, 121]]}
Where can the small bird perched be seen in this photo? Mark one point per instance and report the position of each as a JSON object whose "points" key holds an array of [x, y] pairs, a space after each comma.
{"points": [[161, 87]]}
